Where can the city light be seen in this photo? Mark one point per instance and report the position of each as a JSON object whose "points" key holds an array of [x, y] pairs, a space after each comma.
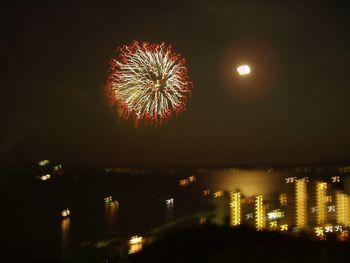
{"points": [[301, 203], [290, 180], [135, 244], [248, 200], [192, 179], [169, 201], [275, 214], [283, 200], [43, 162], [249, 216], [109, 201], [338, 228], [235, 208], [57, 167], [284, 227], [218, 194], [135, 240], [335, 179], [321, 203], [319, 232], [206, 192], [343, 235], [343, 209], [184, 182], [329, 214], [58, 170], [273, 225], [65, 212], [45, 177], [202, 220], [243, 70], [260, 220], [328, 229], [331, 209]]}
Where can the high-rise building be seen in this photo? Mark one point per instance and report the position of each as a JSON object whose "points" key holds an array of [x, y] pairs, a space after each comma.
{"points": [[260, 217], [301, 203], [235, 208], [321, 203], [343, 209]]}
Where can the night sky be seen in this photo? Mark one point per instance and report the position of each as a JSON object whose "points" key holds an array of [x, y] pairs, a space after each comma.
{"points": [[293, 108]]}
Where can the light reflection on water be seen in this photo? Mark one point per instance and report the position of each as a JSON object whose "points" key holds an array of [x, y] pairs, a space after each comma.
{"points": [[65, 226], [110, 219], [169, 211], [134, 248]]}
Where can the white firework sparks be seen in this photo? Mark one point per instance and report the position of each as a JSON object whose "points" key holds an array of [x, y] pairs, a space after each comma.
{"points": [[148, 82]]}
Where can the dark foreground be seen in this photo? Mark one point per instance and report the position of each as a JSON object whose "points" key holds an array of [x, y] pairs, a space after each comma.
{"points": [[212, 243]]}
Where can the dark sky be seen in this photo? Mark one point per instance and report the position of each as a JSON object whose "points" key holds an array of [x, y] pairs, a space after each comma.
{"points": [[294, 108]]}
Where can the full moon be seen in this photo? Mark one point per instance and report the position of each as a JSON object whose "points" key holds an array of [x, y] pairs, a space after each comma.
{"points": [[243, 70]]}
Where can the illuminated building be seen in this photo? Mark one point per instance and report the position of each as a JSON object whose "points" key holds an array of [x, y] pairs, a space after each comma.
{"points": [[192, 179], [343, 209], [343, 235], [273, 225], [183, 182], [328, 229], [301, 203], [249, 216], [218, 194], [275, 214], [321, 203], [284, 227], [319, 232], [283, 199], [259, 213], [290, 180], [235, 208]]}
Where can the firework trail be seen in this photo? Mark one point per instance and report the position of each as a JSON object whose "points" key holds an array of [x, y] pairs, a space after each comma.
{"points": [[148, 82]]}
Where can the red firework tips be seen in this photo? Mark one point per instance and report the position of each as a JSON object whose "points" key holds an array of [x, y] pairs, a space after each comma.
{"points": [[148, 82]]}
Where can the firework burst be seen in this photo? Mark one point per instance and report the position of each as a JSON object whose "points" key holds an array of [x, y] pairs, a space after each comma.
{"points": [[148, 82]]}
